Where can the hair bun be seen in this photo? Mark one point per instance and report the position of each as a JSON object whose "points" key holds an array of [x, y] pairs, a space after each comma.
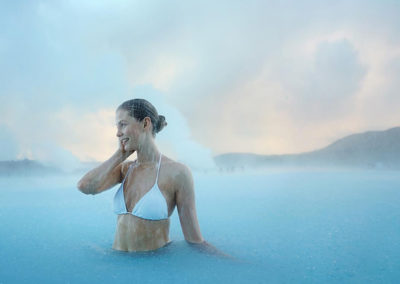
{"points": [[161, 123]]}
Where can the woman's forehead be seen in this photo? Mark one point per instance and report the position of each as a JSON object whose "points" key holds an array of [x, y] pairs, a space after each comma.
{"points": [[122, 114]]}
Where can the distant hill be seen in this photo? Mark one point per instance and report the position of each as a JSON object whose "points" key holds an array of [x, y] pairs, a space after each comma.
{"points": [[25, 168], [372, 149]]}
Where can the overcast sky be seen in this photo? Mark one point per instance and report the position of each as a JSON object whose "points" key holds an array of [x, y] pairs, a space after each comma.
{"points": [[266, 77]]}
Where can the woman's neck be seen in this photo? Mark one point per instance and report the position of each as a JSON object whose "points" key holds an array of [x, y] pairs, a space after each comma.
{"points": [[148, 153]]}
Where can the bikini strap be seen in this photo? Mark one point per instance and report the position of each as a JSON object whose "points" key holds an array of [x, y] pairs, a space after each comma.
{"points": [[159, 164], [130, 168]]}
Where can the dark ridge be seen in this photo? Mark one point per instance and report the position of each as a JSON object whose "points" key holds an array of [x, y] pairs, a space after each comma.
{"points": [[372, 149]]}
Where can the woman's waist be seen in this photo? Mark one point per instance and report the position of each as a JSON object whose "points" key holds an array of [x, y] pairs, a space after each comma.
{"points": [[128, 223], [136, 234]]}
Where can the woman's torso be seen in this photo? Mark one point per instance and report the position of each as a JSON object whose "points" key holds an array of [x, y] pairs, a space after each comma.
{"points": [[137, 234]]}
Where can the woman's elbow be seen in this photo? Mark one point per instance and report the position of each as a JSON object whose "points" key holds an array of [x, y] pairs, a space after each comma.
{"points": [[84, 187]]}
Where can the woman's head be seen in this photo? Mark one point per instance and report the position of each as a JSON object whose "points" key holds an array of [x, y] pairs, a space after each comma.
{"points": [[140, 109]]}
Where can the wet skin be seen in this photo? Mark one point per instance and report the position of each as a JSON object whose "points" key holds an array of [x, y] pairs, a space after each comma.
{"points": [[175, 183], [137, 234]]}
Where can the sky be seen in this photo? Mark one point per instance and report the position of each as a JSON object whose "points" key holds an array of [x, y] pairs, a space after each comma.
{"points": [[266, 77]]}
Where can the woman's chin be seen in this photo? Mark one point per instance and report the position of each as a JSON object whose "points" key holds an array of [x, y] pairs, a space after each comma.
{"points": [[128, 149]]}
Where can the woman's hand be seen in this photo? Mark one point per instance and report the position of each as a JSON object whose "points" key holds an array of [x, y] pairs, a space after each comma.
{"points": [[210, 249], [105, 175], [124, 154]]}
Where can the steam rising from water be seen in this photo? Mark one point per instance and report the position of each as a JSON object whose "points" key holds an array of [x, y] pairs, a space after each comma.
{"points": [[175, 140], [76, 135]]}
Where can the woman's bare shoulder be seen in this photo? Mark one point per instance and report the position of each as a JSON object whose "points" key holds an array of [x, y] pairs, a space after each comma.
{"points": [[176, 170], [173, 165]]}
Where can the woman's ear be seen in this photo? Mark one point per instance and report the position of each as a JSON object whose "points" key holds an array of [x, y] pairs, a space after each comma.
{"points": [[146, 122]]}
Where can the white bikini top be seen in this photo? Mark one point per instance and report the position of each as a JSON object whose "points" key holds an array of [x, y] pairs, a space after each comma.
{"points": [[152, 206]]}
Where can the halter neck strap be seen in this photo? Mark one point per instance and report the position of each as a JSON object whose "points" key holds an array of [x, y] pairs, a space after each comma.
{"points": [[159, 165]]}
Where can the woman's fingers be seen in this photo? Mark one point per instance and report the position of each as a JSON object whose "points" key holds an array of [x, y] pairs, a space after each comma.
{"points": [[121, 146], [124, 152]]}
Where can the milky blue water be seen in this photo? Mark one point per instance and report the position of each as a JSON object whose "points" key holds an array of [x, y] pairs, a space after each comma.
{"points": [[279, 227]]}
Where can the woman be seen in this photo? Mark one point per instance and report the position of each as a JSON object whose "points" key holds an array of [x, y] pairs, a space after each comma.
{"points": [[151, 186]]}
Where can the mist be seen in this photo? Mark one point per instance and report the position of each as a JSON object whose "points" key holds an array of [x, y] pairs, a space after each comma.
{"points": [[246, 80], [287, 113]]}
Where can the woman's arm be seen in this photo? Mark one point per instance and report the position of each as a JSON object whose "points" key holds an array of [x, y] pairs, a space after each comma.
{"points": [[104, 176], [185, 202]]}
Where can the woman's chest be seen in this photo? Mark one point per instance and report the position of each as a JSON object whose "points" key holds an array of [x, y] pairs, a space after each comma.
{"points": [[142, 184]]}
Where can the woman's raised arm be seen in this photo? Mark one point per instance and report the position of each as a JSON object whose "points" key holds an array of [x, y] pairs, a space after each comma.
{"points": [[106, 175]]}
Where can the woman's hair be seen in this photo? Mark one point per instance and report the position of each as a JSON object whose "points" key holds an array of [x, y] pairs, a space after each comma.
{"points": [[140, 108]]}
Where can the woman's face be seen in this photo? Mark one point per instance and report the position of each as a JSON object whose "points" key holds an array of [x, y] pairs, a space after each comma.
{"points": [[129, 130]]}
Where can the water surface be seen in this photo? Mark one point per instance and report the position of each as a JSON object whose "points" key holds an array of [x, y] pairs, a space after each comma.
{"points": [[303, 226]]}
